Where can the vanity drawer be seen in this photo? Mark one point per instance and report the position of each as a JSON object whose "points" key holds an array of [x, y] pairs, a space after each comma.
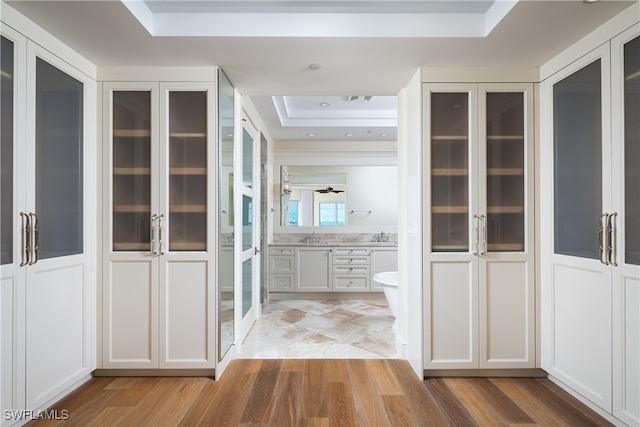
{"points": [[350, 283], [351, 269], [364, 251], [281, 264], [281, 250], [281, 282], [351, 260]]}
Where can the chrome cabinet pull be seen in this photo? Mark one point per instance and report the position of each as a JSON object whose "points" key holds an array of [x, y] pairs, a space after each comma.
{"points": [[35, 239], [602, 238], [483, 218], [26, 239], [159, 218], [612, 229], [477, 241], [152, 242]]}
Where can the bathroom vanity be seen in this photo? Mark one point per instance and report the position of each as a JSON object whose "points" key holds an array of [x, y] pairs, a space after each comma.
{"points": [[329, 267]]}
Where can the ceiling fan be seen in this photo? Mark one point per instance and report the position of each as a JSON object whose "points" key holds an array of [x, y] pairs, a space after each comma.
{"points": [[329, 190]]}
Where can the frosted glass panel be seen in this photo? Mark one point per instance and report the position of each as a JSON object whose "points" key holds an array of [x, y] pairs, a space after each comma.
{"points": [[59, 161], [505, 171], [449, 172], [6, 153], [188, 171], [247, 223], [131, 170], [577, 111], [247, 159], [632, 150]]}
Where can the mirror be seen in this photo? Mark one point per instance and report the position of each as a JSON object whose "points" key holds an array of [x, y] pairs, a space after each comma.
{"points": [[338, 196], [225, 219]]}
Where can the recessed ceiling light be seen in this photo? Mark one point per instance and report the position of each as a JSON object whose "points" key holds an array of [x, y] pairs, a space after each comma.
{"points": [[589, 1], [348, 134], [314, 67], [311, 134], [324, 104], [383, 135], [229, 134]]}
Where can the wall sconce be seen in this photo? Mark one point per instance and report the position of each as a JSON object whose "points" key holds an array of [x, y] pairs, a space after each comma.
{"points": [[286, 187]]}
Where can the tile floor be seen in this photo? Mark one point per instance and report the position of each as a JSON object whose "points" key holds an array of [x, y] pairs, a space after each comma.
{"points": [[322, 329]]}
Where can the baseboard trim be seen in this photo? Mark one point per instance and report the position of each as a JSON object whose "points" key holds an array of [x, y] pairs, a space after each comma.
{"points": [[154, 373], [513, 373]]}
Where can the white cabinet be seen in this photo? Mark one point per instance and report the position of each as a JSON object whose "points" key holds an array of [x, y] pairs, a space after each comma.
{"points": [[157, 297], [479, 271], [382, 259], [313, 269], [47, 248], [351, 269], [281, 268], [591, 266]]}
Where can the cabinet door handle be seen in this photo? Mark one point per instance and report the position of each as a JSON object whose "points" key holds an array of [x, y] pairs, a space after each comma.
{"points": [[159, 218], [26, 239], [35, 239], [483, 218], [612, 230], [477, 230], [602, 238], [152, 243]]}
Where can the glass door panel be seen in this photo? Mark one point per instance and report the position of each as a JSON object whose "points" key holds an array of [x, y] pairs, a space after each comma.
{"points": [[187, 171], [449, 172], [247, 159], [247, 286], [505, 171], [632, 150], [6, 152], [577, 106], [131, 170], [59, 162]]}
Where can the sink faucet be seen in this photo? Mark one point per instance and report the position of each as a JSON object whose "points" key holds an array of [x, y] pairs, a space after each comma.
{"points": [[314, 238], [381, 237]]}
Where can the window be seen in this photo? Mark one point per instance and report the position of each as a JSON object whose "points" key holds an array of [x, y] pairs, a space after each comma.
{"points": [[332, 213], [293, 213]]}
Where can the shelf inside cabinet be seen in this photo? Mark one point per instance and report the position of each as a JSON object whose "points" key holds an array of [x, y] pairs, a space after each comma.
{"points": [[449, 172], [448, 248], [131, 209], [505, 209], [188, 208], [505, 137], [449, 137], [188, 171], [131, 171], [505, 171], [188, 135], [130, 246], [188, 246], [131, 133], [497, 247], [449, 209], [633, 76]]}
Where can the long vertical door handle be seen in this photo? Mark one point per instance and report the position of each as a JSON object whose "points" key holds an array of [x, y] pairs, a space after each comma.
{"points": [[612, 230], [159, 218], [602, 238], [25, 233], [153, 234], [35, 239], [483, 218], [476, 218]]}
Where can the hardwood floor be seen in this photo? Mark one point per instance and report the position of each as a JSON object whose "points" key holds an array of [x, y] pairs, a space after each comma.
{"points": [[297, 392]]}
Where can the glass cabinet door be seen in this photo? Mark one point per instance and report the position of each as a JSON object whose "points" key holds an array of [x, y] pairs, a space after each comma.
{"points": [[6, 152], [505, 165], [449, 172], [577, 168], [187, 170], [632, 150], [131, 170], [59, 162]]}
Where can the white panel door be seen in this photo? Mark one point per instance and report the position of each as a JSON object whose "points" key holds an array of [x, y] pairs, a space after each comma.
{"points": [[576, 172], [61, 182]]}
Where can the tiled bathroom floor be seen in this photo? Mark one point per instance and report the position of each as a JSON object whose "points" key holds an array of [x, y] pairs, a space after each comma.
{"points": [[323, 329]]}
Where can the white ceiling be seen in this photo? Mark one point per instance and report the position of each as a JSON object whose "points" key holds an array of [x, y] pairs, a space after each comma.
{"points": [[354, 57]]}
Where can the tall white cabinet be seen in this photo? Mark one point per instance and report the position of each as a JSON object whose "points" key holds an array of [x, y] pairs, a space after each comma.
{"points": [[48, 207], [591, 265], [158, 245], [479, 259]]}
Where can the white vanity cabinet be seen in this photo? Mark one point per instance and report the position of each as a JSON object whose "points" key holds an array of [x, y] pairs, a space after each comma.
{"points": [[158, 245], [313, 269], [324, 268], [479, 299]]}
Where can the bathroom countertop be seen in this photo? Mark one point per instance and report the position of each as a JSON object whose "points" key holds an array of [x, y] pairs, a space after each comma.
{"points": [[337, 244]]}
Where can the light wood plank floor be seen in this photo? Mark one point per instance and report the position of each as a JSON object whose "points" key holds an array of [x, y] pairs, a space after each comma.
{"points": [[297, 392]]}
